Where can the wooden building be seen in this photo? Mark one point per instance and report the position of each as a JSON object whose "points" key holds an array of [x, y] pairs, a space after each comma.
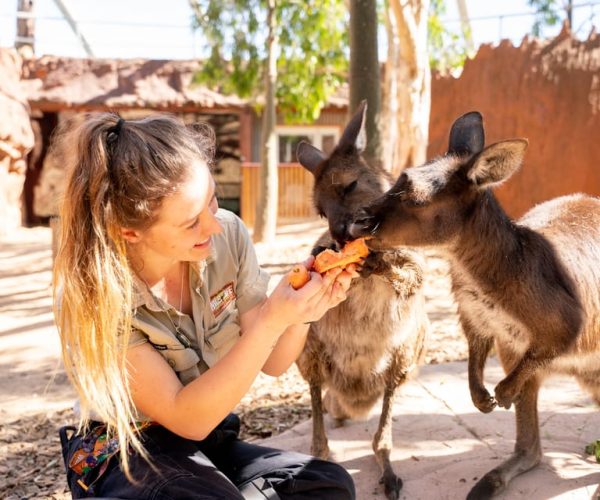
{"points": [[59, 87]]}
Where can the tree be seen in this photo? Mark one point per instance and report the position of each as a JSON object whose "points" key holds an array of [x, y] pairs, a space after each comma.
{"points": [[448, 50], [407, 85], [417, 40], [364, 78], [548, 13], [265, 222], [465, 24], [296, 64]]}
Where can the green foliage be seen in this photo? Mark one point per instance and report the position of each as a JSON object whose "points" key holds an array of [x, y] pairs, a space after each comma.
{"points": [[447, 50], [547, 14], [312, 60], [594, 449]]}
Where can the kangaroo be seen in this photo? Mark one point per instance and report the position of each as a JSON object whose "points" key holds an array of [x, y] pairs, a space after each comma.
{"points": [[532, 286], [367, 346]]}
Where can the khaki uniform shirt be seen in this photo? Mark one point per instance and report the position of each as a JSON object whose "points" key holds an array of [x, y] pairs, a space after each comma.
{"points": [[224, 286]]}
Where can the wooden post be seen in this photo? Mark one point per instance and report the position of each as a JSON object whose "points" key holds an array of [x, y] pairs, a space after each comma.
{"points": [[25, 40]]}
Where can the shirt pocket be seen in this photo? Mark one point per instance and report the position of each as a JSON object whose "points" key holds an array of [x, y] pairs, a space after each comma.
{"points": [[179, 357], [222, 336]]}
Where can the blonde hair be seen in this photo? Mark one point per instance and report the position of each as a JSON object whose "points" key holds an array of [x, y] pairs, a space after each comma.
{"points": [[118, 173]]}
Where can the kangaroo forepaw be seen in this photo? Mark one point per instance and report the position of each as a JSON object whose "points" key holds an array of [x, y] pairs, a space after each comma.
{"points": [[374, 264], [392, 485], [483, 400], [506, 393], [489, 485]]}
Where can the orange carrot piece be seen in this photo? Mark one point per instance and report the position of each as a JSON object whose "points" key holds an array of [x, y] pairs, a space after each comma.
{"points": [[298, 277], [352, 252]]}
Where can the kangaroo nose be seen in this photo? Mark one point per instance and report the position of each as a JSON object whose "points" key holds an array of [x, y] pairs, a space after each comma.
{"points": [[339, 232]]}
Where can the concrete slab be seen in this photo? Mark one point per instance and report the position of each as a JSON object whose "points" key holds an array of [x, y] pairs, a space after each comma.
{"points": [[443, 444]]}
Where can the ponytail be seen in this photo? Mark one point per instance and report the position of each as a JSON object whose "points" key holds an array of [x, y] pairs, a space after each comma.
{"points": [[118, 173]]}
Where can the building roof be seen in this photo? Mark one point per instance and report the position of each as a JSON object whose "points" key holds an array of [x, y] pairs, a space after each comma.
{"points": [[55, 83], [59, 83]]}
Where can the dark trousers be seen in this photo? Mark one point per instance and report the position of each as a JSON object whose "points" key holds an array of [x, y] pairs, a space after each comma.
{"points": [[221, 466]]}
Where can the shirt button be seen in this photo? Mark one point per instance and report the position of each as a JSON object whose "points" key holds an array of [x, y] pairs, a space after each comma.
{"points": [[172, 363]]}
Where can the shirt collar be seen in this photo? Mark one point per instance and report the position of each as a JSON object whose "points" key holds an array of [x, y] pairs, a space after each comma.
{"points": [[143, 296]]}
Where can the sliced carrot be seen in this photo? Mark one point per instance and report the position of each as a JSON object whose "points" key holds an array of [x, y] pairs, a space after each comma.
{"points": [[356, 247], [352, 252], [298, 277]]}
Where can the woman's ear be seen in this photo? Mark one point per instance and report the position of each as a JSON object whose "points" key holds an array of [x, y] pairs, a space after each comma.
{"points": [[131, 235]]}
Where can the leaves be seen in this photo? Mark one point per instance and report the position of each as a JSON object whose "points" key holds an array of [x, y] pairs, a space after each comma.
{"points": [[447, 50], [546, 14], [594, 449], [312, 61]]}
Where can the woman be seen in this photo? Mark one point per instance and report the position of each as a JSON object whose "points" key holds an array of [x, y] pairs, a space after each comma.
{"points": [[165, 323]]}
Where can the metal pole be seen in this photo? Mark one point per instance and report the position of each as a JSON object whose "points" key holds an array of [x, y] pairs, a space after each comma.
{"points": [[73, 24]]}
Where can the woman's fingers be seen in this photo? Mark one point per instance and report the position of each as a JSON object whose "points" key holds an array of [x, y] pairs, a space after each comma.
{"points": [[308, 263], [318, 295], [353, 269]]}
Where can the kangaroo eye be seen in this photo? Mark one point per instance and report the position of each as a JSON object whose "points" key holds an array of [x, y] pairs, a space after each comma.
{"points": [[350, 187]]}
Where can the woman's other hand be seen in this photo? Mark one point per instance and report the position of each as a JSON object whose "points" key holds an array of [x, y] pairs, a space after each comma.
{"points": [[287, 306]]}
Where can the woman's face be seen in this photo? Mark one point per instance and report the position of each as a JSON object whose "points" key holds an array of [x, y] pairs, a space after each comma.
{"points": [[185, 220]]}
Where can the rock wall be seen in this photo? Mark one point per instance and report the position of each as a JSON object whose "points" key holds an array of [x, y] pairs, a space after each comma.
{"points": [[548, 92], [16, 139]]}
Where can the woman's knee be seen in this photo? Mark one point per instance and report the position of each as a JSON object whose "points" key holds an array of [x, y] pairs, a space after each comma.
{"points": [[211, 486], [312, 479], [331, 480]]}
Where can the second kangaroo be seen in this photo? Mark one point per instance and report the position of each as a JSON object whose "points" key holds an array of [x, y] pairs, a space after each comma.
{"points": [[530, 287], [368, 345]]}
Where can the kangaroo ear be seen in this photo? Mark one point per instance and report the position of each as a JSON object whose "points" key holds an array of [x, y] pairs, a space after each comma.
{"points": [[467, 136], [355, 134], [497, 162], [308, 156]]}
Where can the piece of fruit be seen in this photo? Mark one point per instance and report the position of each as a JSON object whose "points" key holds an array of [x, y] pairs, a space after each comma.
{"points": [[356, 247], [352, 252], [298, 277]]}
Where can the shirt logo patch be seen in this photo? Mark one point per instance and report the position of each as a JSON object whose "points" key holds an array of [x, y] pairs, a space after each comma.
{"points": [[220, 300]]}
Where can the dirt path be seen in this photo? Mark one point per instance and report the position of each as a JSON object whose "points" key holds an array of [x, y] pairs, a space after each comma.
{"points": [[35, 397]]}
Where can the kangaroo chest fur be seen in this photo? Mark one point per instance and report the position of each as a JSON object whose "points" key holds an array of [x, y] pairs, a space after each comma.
{"points": [[361, 334], [484, 312], [579, 249]]}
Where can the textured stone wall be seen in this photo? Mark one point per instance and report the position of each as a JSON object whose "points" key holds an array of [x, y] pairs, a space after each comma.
{"points": [[547, 92], [16, 139]]}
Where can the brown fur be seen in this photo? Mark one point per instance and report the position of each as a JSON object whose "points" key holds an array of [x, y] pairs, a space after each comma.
{"points": [[370, 344], [531, 287]]}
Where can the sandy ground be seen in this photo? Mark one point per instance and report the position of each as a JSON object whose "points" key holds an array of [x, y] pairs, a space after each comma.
{"points": [[35, 397]]}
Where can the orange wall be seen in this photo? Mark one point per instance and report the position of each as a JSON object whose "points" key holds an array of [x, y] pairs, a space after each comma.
{"points": [[549, 94]]}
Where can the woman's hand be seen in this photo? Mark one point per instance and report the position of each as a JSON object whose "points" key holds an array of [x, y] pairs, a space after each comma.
{"points": [[287, 306]]}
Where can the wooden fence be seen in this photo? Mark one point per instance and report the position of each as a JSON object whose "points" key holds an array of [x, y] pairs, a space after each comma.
{"points": [[295, 192]]}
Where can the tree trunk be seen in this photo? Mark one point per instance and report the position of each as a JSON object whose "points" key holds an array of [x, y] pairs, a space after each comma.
{"points": [[25, 42], [365, 81], [465, 25], [569, 7], [266, 208], [407, 85]]}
